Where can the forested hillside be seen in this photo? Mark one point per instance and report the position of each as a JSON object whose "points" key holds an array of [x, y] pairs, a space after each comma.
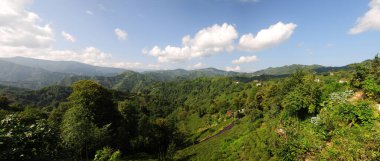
{"points": [[289, 69], [331, 115], [70, 67]]}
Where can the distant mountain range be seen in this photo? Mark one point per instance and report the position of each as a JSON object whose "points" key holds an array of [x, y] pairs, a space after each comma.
{"points": [[70, 67], [35, 74]]}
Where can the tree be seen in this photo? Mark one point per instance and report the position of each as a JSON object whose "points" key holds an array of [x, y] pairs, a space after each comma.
{"points": [[360, 74], [371, 88], [4, 103], [375, 68], [304, 98], [97, 100], [80, 134], [26, 140], [128, 127]]}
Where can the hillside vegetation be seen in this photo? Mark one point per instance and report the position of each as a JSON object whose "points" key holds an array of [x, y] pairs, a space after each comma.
{"points": [[307, 115]]}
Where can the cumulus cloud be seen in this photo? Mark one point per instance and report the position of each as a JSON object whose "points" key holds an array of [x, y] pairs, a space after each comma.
{"points": [[208, 41], [89, 12], [68, 37], [267, 38], [21, 35], [237, 68], [19, 27], [121, 34], [370, 20], [245, 59]]}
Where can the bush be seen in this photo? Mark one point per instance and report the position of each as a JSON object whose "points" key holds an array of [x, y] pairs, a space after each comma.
{"points": [[107, 154]]}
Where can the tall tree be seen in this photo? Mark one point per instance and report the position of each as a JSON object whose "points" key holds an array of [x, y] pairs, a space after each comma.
{"points": [[80, 134], [97, 99]]}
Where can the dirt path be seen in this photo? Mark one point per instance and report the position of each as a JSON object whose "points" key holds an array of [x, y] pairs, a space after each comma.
{"points": [[359, 95], [229, 127]]}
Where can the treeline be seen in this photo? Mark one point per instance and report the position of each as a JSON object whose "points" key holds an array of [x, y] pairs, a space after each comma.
{"points": [[91, 123]]}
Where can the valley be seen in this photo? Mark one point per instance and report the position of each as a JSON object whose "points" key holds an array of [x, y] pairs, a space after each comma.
{"points": [[203, 114]]}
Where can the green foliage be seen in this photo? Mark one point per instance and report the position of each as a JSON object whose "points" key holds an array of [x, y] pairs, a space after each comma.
{"points": [[92, 96], [79, 134], [305, 116], [335, 116], [4, 103], [290, 69], [367, 77], [50, 96], [371, 87], [26, 140], [107, 154]]}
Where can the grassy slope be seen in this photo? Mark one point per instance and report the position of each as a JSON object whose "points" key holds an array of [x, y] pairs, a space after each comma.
{"points": [[232, 141]]}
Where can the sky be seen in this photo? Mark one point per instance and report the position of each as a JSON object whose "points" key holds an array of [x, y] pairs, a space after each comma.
{"points": [[233, 35]]}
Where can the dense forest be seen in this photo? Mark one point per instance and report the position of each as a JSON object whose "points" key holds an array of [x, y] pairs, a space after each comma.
{"points": [[325, 114]]}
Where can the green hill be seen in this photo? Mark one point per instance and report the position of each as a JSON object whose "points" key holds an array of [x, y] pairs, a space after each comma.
{"points": [[289, 69]]}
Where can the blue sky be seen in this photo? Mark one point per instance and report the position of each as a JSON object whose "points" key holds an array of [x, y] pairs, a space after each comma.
{"points": [[241, 35]]}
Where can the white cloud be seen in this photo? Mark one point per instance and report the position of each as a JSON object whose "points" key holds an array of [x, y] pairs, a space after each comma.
{"points": [[196, 66], [19, 27], [21, 35], [208, 41], [89, 55], [369, 21], [245, 59], [237, 68], [68, 37], [121, 34], [89, 12], [128, 65], [267, 38]]}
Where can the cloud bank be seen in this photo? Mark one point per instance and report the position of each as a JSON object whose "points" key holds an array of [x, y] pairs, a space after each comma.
{"points": [[208, 41], [233, 69], [21, 35]]}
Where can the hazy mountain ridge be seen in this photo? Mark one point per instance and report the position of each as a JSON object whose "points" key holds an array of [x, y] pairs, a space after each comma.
{"points": [[12, 74], [34, 74], [65, 66]]}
